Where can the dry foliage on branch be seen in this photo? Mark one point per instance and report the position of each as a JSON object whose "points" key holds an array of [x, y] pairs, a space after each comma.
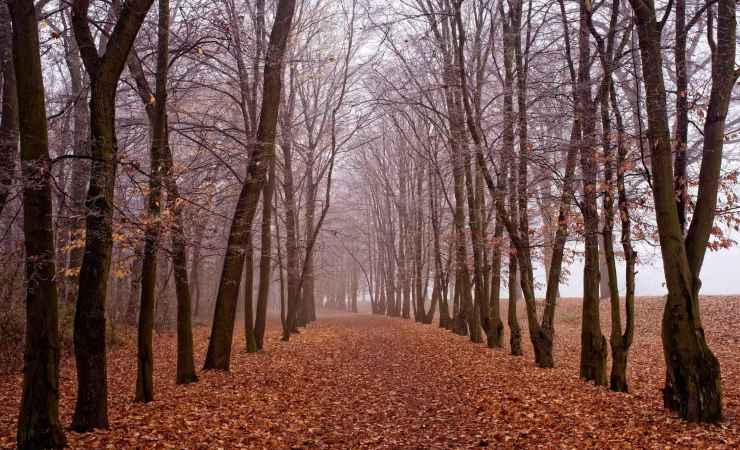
{"points": [[375, 382]]}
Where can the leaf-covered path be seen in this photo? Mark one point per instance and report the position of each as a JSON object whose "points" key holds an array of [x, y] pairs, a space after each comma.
{"points": [[357, 381]]}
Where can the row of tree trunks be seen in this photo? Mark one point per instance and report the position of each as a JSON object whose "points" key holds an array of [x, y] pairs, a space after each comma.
{"points": [[614, 169]]}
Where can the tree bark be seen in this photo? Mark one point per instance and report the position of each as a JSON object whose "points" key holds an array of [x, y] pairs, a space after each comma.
{"points": [[622, 343], [80, 167], [680, 173], [9, 108], [265, 259], [497, 326], [593, 344], [619, 342], [693, 386], [219, 346], [38, 420], [158, 114], [91, 409], [251, 344]]}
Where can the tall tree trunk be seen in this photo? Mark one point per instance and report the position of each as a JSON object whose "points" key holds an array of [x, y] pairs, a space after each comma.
{"points": [[291, 242], [38, 421], [91, 409], [251, 344], [510, 175], [681, 133], [693, 386], [307, 283], [265, 259], [481, 314], [132, 307], [620, 342], [9, 109], [477, 314], [593, 344], [444, 313], [219, 346], [185, 361], [80, 167], [353, 289], [195, 264], [497, 326], [158, 116]]}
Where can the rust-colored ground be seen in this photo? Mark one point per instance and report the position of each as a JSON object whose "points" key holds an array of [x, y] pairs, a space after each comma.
{"points": [[357, 381]]}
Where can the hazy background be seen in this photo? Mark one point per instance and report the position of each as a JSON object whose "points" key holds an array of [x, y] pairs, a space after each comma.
{"points": [[720, 274]]}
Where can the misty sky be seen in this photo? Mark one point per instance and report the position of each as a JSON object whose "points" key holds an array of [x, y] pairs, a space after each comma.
{"points": [[720, 274]]}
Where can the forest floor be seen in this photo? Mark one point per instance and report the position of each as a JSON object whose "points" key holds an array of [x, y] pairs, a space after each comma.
{"points": [[358, 381]]}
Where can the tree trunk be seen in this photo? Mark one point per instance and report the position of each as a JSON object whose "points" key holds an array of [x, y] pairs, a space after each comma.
{"points": [[132, 307], [9, 108], [80, 169], [515, 333], [308, 301], [219, 345], [497, 326], [620, 347], [693, 386], [91, 409], [145, 360], [619, 342], [185, 362], [593, 344], [265, 259], [38, 420], [195, 264], [681, 133], [251, 343], [354, 289]]}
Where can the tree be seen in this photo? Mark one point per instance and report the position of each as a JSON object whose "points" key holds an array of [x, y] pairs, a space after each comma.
{"points": [[38, 422], [91, 409], [593, 344], [693, 386], [219, 346], [9, 107], [158, 119], [614, 175]]}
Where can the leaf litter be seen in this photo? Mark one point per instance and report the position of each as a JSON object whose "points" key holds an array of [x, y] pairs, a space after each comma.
{"points": [[360, 381]]}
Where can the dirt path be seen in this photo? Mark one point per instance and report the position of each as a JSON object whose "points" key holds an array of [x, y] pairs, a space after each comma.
{"points": [[374, 382]]}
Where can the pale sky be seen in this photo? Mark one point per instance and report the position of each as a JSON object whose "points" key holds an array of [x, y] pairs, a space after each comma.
{"points": [[720, 275]]}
